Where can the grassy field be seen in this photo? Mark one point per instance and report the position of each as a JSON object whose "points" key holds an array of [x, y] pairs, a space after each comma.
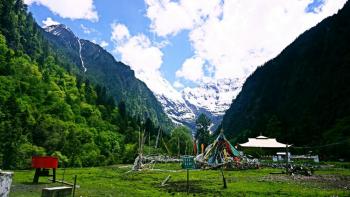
{"points": [[117, 181]]}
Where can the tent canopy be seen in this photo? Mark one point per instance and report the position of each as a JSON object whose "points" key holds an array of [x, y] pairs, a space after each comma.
{"points": [[219, 152], [263, 142]]}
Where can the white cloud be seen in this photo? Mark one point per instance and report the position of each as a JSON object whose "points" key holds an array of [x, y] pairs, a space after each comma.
{"points": [[49, 21], [169, 17], [192, 69], [119, 32], [178, 84], [72, 9], [138, 52], [104, 44], [233, 37], [87, 30], [144, 57]]}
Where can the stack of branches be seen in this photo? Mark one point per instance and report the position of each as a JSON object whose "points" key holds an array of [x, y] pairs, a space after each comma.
{"points": [[161, 159], [300, 170]]}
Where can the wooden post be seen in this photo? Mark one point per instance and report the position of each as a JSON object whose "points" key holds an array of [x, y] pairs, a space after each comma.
{"points": [[223, 179], [287, 171], [156, 146], [75, 183], [188, 185], [140, 141], [54, 175], [64, 172], [36, 176], [178, 147]]}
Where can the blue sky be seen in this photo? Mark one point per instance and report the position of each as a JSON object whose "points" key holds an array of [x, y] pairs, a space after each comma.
{"points": [[186, 43]]}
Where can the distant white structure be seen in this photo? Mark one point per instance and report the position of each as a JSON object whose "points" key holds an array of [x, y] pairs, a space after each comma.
{"points": [[315, 158], [281, 156], [263, 142]]}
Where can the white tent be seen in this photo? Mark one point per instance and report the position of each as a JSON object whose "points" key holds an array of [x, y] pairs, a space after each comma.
{"points": [[263, 142]]}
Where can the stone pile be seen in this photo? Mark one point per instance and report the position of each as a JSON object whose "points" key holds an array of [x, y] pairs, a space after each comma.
{"points": [[5, 183]]}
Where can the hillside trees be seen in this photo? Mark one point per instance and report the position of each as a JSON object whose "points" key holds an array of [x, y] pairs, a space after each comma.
{"points": [[202, 129], [44, 110], [47, 108], [181, 141]]}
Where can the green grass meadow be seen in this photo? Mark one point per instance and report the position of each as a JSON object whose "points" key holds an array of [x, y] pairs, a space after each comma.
{"points": [[117, 181]]}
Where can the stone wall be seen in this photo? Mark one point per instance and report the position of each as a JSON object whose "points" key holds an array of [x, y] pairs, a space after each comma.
{"points": [[5, 183]]}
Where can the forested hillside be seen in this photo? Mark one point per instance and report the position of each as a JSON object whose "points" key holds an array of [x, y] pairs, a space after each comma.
{"points": [[302, 96], [100, 67], [47, 108]]}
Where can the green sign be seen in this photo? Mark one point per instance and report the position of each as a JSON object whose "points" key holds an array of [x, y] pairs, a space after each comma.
{"points": [[187, 162]]}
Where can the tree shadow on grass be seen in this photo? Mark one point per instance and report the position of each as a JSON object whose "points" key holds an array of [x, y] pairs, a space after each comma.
{"points": [[27, 186], [195, 188]]}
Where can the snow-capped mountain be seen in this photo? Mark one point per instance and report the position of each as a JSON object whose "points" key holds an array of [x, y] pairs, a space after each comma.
{"points": [[211, 98], [182, 107], [172, 101], [214, 97]]}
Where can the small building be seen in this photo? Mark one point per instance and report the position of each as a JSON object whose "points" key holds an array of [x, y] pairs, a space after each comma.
{"points": [[269, 145], [263, 142]]}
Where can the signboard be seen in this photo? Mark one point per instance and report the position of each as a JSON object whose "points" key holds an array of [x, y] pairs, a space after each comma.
{"points": [[188, 162], [44, 162]]}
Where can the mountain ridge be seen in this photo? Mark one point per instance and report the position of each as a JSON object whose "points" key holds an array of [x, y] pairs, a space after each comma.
{"points": [[211, 99], [302, 95], [99, 66]]}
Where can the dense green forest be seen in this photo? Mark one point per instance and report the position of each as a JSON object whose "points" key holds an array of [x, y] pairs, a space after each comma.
{"points": [[301, 97], [102, 68], [47, 107]]}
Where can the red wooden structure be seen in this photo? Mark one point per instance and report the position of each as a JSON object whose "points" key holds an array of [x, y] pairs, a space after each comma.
{"points": [[42, 164]]}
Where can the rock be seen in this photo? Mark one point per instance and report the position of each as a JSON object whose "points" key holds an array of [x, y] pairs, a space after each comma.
{"points": [[5, 183]]}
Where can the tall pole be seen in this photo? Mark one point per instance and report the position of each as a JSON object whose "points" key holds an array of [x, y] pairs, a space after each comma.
{"points": [[287, 158], [149, 142], [188, 185], [139, 141], [75, 184], [178, 146], [156, 146]]}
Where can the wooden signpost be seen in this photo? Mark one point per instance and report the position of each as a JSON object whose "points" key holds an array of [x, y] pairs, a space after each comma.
{"points": [[188, 163]]}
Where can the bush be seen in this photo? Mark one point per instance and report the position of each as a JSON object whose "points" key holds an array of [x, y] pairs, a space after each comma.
{"points": [[25, 153], [130, 152]]}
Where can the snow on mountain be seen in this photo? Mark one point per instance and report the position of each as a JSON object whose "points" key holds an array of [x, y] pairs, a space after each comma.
{"points": [[211, 98], [67, 34], [214, 97], [173, 103], [59, 29]]}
